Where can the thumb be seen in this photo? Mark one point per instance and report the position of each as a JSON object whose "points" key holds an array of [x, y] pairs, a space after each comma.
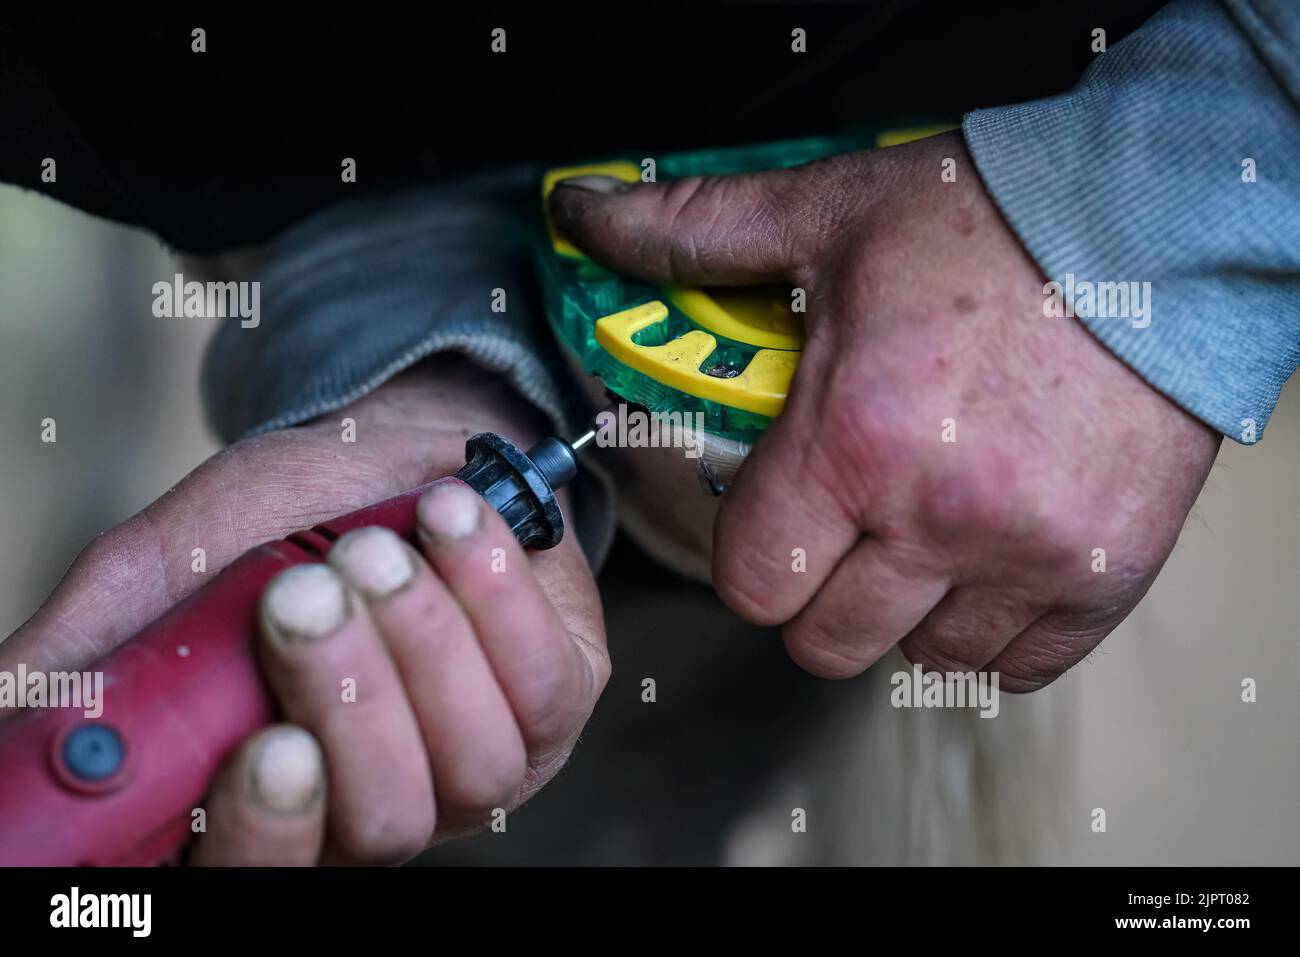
{"points": [[703, 230]]}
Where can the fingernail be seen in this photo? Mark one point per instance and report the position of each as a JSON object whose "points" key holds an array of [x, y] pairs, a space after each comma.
{"points": [[596, 183], [287, 771], [373, 560], [449, 512], [305, 603]]}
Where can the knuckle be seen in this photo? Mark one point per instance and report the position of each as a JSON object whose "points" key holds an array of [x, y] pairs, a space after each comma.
{"points": [[595, 661], [959, 506], [716, 217], [821, 654], [122, 553], [492, 780], [439, 617], [602, 670], [1054, 533], [982, 506], [694, 210], [1021, 673], [938, 656], [764, 222], [387, 835], [697, 202], [551, 700], [745, 587], [862, 450], [1051, 648], [834, 190]]}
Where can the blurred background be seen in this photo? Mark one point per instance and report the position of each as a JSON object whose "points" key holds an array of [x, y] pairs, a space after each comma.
{"points": [[1152, 729]]}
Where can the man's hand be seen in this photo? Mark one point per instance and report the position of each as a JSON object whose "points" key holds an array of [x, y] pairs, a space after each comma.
{"points": [[475, 668], [950, 461]]}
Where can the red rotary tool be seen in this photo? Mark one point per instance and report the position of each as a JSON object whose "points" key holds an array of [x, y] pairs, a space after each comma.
{"points": [[179, 697]]}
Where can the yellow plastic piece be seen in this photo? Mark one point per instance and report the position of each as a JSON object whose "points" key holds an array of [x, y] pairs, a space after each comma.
{"points": [[898, 137], [627, 172], [761, 388], [758, 316]]}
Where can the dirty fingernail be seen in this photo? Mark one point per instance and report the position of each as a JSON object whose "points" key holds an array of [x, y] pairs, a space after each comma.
{"points": [[449, 512], [373, 560], [287, 770], [596, 183], [305, 603]]}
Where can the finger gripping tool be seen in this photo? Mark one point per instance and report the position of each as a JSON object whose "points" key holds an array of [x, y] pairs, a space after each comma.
{"points": [[126, 787]]}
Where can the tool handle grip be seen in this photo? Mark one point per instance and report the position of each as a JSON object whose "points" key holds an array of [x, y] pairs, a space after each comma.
{"points": [[122, 788]]}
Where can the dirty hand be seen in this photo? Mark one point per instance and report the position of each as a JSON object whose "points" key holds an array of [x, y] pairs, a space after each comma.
{"points": [[953, 470], [475, 669]]}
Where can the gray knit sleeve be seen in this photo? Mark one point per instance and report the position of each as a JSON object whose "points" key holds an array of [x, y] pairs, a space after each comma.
{"points": [[368, 288], [1172, 173]]}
